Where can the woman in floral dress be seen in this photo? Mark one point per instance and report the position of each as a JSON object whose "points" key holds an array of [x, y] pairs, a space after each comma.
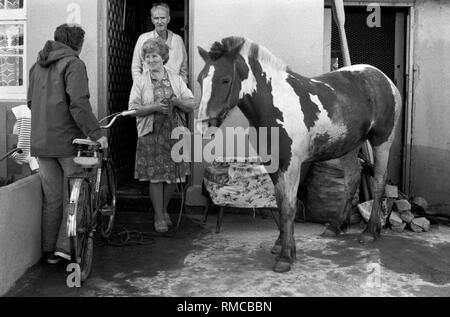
{"points": [[161, 100]]}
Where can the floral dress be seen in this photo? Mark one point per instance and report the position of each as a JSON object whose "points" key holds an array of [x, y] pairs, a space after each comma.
{"points": [[153, 152]]}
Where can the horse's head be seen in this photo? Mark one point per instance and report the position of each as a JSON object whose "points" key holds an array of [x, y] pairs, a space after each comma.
{"points": [[221, 80]]}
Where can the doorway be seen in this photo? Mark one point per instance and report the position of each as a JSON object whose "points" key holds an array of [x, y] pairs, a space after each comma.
{"points": [[126, 21], [382, 46]]}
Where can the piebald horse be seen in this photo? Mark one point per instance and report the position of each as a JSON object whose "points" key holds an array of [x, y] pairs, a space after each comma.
{"points": [[320, 118]]}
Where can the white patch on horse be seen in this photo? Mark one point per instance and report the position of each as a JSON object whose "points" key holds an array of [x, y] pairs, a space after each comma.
{"points": [[264, 57], [321, 82], [355, 68], [248, 85], [206, 96], [288, 103], [324, 125]]}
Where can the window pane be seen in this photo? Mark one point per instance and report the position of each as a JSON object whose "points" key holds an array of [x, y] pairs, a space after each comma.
{"points": [[11, 39], [14, 4], [11, 71], [11, 54]]}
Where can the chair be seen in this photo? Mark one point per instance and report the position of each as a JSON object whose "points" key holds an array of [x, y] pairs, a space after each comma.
{"points": [[238, 184]]}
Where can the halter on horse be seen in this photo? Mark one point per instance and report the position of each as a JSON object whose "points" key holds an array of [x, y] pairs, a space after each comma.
{"points": [[319, 119]]}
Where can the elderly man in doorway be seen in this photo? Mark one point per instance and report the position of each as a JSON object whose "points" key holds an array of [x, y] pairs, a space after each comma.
{"points": [[160, 15]]}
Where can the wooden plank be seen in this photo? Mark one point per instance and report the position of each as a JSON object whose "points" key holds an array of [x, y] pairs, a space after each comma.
{"points": [[409, 105]]}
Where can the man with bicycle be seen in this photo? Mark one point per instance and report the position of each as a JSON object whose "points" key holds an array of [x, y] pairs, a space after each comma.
{"points": [[58, 96]]}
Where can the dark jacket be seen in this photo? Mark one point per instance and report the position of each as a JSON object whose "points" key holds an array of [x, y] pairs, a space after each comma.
{"points": [[58, 96]]}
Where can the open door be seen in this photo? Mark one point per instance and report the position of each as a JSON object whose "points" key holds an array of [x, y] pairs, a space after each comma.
{"points": [[125, 21], [382, 46]]}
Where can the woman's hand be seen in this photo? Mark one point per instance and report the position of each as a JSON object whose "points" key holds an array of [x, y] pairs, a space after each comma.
{"points": [[161, 108], [149, 109], [175, 102], [187, 105]]}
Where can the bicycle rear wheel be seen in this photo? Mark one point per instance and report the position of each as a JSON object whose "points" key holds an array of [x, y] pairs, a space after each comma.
{"points": [[82, 238], [108, 195]]}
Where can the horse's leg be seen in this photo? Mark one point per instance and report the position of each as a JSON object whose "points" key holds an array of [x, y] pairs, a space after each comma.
{"points": [[351, 169], [381, 157], [286, 195], [276, 249]]}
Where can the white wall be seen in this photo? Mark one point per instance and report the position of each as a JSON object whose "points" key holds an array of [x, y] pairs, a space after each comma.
{"points": [[293, 30], [290, 29], [43, 18], [430, 172], [20, 229]]}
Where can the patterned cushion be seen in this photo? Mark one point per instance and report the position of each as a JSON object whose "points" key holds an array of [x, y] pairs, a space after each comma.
{"points": [[239, 185]]}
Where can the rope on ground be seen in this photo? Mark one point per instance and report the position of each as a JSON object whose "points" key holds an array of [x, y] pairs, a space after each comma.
{"points": [[125, 237]]}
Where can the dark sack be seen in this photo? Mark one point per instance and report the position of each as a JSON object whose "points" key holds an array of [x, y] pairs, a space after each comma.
{"points": [[324, 193]]}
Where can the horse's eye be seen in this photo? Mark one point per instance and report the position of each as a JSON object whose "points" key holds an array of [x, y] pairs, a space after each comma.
{"points": [[226, 81]]}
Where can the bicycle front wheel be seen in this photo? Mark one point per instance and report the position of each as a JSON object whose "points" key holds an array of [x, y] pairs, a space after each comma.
{"points": [[81, 232], [108, 195]]}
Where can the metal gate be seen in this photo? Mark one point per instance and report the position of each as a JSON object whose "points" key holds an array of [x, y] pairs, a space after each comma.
{"points": [[374, 46], [121, 42], [382, 47]]}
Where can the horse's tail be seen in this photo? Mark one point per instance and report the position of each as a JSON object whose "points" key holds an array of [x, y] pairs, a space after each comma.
{"points": [[398, 105], [388, 101]]}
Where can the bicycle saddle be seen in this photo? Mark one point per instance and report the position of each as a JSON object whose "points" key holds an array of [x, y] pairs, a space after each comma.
{"points": [[87, 142]]}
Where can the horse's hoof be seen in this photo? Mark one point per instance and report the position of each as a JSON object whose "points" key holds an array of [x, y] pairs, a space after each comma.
{"points": [[276, 249], [282, 267], [329, 233]]}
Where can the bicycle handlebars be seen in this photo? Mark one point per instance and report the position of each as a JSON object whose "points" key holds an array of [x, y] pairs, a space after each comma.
{"points": [[19, 151], [114, 118], [121, 114]]}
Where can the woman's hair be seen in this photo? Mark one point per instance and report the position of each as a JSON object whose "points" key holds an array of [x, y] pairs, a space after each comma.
{"points": [[71, 35], [158, 46]]}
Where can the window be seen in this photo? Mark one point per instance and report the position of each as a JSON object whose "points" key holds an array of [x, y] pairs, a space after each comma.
{"points": [[13, 75]]}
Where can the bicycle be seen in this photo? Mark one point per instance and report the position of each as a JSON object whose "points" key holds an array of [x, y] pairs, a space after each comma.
{"points": [[92, 203], [11, 152]]}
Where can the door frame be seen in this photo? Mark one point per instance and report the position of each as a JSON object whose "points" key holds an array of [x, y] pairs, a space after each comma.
{"points": [[408, 104]]}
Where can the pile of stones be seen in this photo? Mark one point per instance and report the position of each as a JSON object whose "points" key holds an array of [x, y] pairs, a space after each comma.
{"points": [[399, 211]]}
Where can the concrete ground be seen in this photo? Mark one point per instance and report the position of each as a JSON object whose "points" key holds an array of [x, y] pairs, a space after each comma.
{"points": [[237, 262]]}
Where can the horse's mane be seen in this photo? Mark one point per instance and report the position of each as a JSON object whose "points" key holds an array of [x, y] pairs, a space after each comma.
{"points": [[230, 45]]}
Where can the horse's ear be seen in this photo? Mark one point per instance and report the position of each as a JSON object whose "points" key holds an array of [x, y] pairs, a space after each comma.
{"points": [[203, 53]]}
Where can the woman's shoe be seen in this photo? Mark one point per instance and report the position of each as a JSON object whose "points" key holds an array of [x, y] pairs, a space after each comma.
{"points": [[161, 226], [167, 219]]}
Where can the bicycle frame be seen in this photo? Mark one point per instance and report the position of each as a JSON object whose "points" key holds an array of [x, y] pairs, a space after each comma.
{"points": [[87, 176], [99, 211], [94, 199]]}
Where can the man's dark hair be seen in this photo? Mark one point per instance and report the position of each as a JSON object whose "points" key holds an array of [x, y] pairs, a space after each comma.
{"points": [[70, 35]]}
